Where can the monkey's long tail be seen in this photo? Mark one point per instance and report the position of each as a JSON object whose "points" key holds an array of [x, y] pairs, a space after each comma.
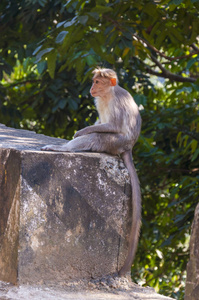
{"points": [[136, 215]]}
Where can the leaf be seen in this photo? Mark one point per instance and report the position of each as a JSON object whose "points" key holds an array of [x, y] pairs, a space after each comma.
{"points": [[42, 2], [178, 139], [62, 103], [195, 155], [70, 23], [160, 38], [51, 95], [41, 66], [41, 53], [37, 49], [167, 242], [51, 61], [83, 20], [194, 145], [140, 99], [90, 60], [196, 87], [184, 89], [60, 24], [175, 2], [177, 34], [155, 28], [128, 35], [63, 67], [192, 61], [125, 52], [101, 9], [72, 104], [149, 8], [55, 108], [95, 15], [194, 31], [61, 36], [185, 138], [108, 29]]}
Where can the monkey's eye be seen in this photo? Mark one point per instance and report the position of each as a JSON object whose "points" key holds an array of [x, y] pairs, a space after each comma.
{"points": [[97, 81]]}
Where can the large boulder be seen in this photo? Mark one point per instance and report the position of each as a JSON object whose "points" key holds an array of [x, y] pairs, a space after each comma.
{"points": [[64, 216], [192, 283]]}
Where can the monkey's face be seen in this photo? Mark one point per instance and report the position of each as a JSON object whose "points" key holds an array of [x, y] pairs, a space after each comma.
{"points": [[101, 87]]}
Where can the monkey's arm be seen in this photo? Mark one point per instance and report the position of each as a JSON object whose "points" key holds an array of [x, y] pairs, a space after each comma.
{"points": [[105, 127]]}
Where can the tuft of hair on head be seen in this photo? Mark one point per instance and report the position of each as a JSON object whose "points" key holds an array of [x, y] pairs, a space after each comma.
{"points": [[106, 73]]}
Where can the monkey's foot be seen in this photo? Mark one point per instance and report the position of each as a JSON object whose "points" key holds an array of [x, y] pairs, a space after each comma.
{"points": [[62, 148]]}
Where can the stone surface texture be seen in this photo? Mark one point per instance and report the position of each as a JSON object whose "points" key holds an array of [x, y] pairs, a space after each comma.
{"points": [[64, 216], [105, 289], [192, 283], [64, 223]]}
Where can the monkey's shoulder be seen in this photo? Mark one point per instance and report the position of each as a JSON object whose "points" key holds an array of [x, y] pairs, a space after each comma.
{"points": [[121, 92]]}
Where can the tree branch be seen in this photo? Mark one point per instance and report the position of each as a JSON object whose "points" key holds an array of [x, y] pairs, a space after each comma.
{"points": [[170, 76], [167, 74], [10, 84], [143, 41]]}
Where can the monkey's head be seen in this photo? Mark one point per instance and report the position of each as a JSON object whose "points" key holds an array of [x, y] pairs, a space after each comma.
{"points": [[103, 82]]}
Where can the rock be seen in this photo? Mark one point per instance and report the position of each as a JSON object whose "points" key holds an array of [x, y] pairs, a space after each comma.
{"points": [[64, 223], [64, 216], [80, 291], [192, 282]]}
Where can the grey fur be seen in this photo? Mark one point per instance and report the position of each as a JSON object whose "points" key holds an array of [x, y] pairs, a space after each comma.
{"points": [[116, 132]]}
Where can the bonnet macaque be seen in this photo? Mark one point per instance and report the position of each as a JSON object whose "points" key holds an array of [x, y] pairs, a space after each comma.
{"points": [[115, 132]]}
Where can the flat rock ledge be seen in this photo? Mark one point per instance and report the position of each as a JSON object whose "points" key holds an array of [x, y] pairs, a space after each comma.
{"points": [[108, 288], [64, 216], [65, 220]]}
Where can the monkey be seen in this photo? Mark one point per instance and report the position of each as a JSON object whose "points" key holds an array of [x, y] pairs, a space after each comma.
{"points": [[115, 132]]}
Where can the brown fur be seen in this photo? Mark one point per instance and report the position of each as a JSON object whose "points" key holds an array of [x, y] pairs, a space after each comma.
{"points": [[115, 132]]}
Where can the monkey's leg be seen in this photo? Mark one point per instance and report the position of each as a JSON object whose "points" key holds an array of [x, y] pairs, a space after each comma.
{"points": [[95, 142], [99, 142], [82, 143], [90, 142]]}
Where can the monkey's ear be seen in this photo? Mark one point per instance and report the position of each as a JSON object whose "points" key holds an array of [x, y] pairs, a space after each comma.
{"points": [[113, 81]]}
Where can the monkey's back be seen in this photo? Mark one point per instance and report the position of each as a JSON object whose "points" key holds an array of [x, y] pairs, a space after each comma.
{"points": [[126, 113]]}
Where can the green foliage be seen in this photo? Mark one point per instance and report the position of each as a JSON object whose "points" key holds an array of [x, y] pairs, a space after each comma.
{"points": [[167, 154], [48, 50]]}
